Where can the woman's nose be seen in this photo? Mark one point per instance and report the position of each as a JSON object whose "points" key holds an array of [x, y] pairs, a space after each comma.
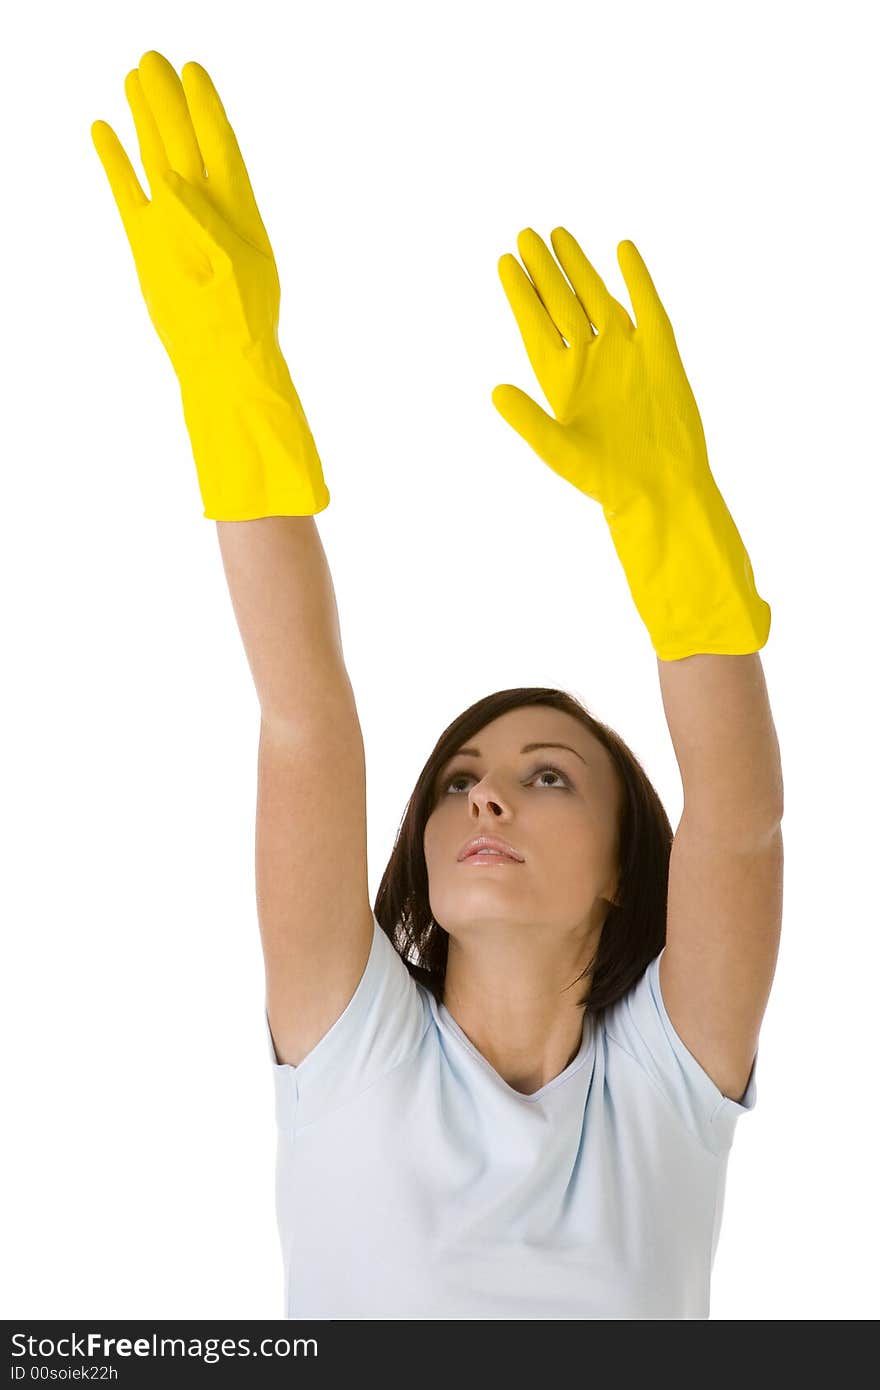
{"points": [[486, 797]]}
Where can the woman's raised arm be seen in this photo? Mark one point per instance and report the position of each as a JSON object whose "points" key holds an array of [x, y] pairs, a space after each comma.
{"points": [[209, 279], [313, 903], [282, 594]]}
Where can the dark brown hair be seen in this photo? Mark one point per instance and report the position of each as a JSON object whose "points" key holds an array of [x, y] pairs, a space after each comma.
{"points": [[634, 931]]}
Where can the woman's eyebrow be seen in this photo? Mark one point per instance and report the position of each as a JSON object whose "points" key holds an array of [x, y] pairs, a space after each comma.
{"points": [[526, 748]]}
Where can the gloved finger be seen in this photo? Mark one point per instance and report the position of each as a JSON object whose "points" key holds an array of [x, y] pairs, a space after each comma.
{"points": [[539, 334], [123, 180], [599, 305], [164, 92], [556, 294], [646, 303], [227, 173], [153, 156]]}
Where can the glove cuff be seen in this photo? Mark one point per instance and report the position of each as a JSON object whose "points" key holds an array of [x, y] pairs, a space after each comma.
{"points": [[254, 451], [690, 575]]}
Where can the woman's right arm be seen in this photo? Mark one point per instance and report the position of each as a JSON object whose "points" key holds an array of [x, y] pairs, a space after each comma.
{"points": [[208, 276], [313, 903]]}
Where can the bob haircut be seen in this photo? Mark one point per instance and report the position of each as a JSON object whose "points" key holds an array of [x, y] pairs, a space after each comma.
{"points": [[634, 930]]}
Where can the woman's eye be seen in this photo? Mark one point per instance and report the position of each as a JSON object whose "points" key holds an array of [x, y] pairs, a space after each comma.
{"points": [[539, 772], [553, 773]]}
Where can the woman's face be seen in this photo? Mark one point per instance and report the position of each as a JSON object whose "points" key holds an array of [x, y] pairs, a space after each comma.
{"points": [[562, 822]]}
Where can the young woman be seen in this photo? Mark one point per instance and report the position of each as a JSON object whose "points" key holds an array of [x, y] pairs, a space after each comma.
{"points": [[511, 1089]]}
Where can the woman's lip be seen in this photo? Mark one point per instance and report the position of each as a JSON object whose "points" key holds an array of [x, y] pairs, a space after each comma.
{"points": [[489, 859]]}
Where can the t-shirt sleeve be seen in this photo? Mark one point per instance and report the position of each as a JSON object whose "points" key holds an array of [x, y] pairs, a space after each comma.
{"points": [[381, 1026], [640, 1025]]}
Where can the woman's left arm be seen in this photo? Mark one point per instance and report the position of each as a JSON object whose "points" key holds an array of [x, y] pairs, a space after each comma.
{"points": [[724, 912], [626, 432]]}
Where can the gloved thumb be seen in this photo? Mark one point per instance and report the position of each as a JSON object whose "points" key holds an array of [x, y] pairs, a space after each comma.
{"points": [[537, 428], [197, 217]]}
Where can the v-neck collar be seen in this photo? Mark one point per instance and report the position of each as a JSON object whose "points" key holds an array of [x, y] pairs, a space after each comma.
{"points": [[445, 1019]]}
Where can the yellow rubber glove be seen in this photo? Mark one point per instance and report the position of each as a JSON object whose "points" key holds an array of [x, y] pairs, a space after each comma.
{"points": [[208, 276], [628, 433]]}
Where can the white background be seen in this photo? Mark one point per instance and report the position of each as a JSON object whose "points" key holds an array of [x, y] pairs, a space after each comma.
{"points": [[396, 151]]}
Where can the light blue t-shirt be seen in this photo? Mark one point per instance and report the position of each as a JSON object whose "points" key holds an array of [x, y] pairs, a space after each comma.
{"points": [[413, 1182]]}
